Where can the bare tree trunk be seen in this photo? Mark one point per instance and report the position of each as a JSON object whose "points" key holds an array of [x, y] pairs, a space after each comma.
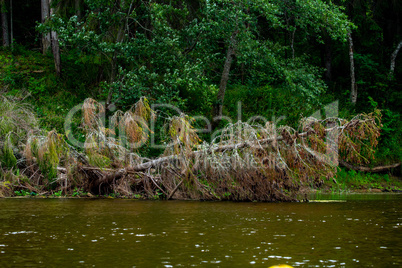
{"points": [[55, 45], [353, 89], [4, 24], [119, 39], [78, 12], [45, 36], [11, 23], [292, 42], [217, 109], [393, 59], [328, 59]]}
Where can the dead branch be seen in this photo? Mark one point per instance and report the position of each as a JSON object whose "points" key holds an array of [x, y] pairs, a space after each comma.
{"points": [[174, 190], [217, 148], [367, 169]]}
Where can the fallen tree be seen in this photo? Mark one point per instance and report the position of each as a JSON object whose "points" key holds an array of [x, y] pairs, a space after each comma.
{"points": [[244, 162]]}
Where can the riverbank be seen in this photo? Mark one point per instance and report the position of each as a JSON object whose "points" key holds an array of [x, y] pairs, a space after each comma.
{"points": [[349, 181], [346, 182]]}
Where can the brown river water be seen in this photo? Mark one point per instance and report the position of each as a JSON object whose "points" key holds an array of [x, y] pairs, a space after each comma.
{"points": [[356, 231]]}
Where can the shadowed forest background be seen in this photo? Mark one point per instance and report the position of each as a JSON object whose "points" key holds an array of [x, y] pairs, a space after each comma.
{"points": [[278, 58]]}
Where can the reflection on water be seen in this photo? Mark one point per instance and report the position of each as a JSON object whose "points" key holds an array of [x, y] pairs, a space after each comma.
{"points": [[360, 232]]}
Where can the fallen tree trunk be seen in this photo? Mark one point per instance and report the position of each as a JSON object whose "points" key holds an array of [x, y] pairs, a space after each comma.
{"points": [[367, 169], [217, 148], [244, 163]]}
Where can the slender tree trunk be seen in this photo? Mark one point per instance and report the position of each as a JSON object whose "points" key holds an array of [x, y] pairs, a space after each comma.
{"points": [[328, 59], [353, 89], [55, 45], [393, 59], [123, 25], [78, 11], [4, 24], [45, 36], [11, 24], [292, 42], [217, 109]]}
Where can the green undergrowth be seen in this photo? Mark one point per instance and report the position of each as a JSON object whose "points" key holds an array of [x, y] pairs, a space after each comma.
{"points": [[30, 75], [77, 193], [389, 148], [352, 181]]}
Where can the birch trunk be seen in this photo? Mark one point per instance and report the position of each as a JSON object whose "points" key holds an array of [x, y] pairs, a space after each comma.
{"points": [[55, 45], [4, 24], [217, 109], [353, 89], [393, 59], [45, 36]]}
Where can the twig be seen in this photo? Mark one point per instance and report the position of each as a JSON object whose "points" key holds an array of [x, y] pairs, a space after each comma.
{"points": [[156, 184], [175, 189]]}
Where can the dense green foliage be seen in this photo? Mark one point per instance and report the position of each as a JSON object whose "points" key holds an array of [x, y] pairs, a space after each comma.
{"points": [[355, 181]]}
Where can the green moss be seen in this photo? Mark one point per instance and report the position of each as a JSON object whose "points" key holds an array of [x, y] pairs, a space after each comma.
{"points": [[98, 160], [47, 151]]}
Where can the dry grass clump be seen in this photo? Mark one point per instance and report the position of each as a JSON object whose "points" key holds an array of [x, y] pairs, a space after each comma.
{"points": [[102, 147], [183, 136], [133, 124], [359, 138], [48, 152], [16, 121], [16, 117], [7, 156], [92, 114]]}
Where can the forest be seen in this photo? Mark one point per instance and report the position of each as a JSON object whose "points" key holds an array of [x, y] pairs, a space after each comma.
{"points": [[199, 99]]}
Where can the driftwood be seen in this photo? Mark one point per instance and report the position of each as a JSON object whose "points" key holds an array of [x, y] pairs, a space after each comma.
{"points": [[367, 169]]}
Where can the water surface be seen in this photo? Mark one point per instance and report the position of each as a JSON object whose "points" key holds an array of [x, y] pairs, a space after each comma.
{"points": [[363, 231]]}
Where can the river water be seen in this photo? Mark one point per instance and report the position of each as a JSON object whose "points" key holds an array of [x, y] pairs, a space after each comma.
{"points": [[357, 231]]}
